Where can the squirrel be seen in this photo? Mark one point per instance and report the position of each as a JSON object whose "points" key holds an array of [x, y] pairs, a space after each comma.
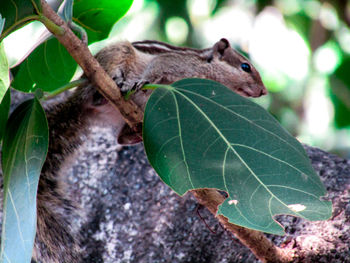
{"points": [[131, 65]]}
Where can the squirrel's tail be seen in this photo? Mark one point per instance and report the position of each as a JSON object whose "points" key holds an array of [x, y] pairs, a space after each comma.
{"points": [[56, 241]]}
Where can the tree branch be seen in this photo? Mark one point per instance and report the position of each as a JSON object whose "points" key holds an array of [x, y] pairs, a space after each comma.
{"points": [[256, 241], [131, 113]]}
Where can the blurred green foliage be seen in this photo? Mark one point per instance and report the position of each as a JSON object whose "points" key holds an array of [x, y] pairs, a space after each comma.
{"points": [[314, 103], [300, 47]]}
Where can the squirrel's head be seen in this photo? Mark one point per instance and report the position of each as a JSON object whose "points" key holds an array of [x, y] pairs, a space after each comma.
{"points": [[235, 71]]}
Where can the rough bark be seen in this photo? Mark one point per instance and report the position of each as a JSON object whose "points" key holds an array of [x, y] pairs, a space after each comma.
{"points": [[133, 216], [256, 241]]}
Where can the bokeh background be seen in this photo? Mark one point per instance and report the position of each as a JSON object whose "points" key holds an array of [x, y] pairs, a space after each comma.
{"points": [[300, 47]]}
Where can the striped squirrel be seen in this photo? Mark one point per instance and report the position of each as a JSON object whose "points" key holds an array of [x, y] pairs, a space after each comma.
{"points": [[130, 65]]}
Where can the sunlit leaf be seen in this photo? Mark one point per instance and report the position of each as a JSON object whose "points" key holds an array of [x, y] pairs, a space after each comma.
{"points": [[199, 134], [98, 17], [4, 72], [4, 67], [48, 67], [24, 150], [17, 13], [4, 111]]}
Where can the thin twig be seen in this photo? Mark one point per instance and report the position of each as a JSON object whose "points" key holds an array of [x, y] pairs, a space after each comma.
{"points": [[92, 69], [256, 241], [205, 223], [68, 86]]}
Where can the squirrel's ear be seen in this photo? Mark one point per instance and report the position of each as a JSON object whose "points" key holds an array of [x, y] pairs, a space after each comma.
{"points": [[220, 47]]}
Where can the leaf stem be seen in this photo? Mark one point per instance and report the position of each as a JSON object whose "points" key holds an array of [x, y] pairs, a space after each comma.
{"points": [[256, 241], [155, 86], [65, 87], [51, 26], [80, 30]]}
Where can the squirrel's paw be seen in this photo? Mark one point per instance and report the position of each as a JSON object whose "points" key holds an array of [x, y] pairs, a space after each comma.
{"points": [[124, 85], [133, 86], [138, 85]]}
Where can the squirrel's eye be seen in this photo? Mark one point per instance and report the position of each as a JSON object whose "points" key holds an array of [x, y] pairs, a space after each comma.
{"points": [[246, 67]]}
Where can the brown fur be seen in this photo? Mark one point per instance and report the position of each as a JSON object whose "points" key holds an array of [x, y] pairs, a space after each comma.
{"points": [[55, 240]]}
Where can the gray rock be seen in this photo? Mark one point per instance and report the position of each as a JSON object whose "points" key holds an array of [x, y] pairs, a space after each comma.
{"points": [[129, 215], [132, 216]]}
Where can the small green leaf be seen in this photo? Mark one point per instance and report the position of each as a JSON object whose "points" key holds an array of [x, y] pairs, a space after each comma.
{"points": [[199, 134], [4, 72], [5, 98], [98, 17], [17, 13], [23, 154], [4, 112], [48, 67]]}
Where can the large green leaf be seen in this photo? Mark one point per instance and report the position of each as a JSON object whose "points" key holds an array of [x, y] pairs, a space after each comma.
{"points": [[48, 67], [24, 150], [199, 134], [98, 17], [4, 111], [17, 13]]}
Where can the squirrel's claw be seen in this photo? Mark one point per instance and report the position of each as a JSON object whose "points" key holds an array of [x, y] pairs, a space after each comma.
{"points": [[138, 85], [119, 79]]}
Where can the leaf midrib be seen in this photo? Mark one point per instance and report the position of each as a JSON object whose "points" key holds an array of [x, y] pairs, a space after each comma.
{"points": [[176, 90], [23, 129], [180, 139], [235, 113]]}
